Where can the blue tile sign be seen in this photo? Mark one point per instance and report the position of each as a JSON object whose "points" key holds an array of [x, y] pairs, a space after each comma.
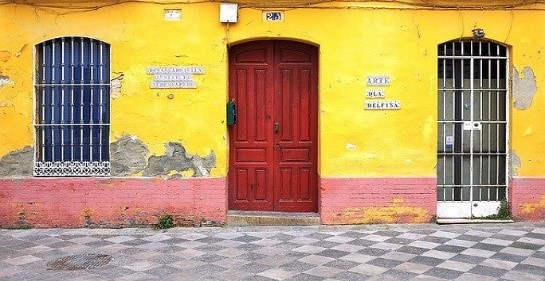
{"points": [[383, 105], [175, 69], [378, 80], [174, 77]]}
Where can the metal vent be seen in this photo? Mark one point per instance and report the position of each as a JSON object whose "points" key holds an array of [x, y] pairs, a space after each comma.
{"points": [[82, 261]]}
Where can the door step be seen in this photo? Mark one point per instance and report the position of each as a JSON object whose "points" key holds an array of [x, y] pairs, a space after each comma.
{"points": [[468, 221], [251, 218]]}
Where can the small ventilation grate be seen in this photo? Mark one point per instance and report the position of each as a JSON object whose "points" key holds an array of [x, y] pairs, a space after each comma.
{"points": [[82, 261]]}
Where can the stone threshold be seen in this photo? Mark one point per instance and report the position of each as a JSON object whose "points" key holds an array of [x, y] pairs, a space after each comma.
{"points": [[472, 221], [255, 218]]}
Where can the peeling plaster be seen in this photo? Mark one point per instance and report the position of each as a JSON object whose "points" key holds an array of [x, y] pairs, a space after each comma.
{"points": [[176, 161], [351, 147], [115, 86], [4, 80], [17, 163], [515, 164], [128, 156], [524, 88]]}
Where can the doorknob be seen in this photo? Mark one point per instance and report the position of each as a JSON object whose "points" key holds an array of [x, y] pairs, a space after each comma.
{"points": [[276, 127]]}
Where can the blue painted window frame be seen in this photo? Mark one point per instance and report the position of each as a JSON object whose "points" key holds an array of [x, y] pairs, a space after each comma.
{"points": [[72, 87]]}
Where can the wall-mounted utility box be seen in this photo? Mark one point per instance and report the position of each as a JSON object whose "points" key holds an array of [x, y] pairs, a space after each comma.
{"points": [[228, 12]]}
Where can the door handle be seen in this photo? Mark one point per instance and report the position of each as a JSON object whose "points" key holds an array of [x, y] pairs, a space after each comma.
{"points": [[276, 127]]}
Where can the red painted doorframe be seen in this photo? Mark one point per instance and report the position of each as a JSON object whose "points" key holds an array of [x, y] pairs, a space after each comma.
{"points": [[273, 145]]}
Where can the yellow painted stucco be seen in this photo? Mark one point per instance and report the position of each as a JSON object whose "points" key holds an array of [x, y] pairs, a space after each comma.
{"points": [[396, 40]]}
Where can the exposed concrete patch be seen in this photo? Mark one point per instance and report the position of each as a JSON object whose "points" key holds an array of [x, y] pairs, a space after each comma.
{"points": [[4, 80], [524, 88], [176, 160], [515, 164], [115, 86], [17, 163], [128, 155]]}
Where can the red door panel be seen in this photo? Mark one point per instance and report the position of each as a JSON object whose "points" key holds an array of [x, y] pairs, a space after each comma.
{"points": [[273, 162]]}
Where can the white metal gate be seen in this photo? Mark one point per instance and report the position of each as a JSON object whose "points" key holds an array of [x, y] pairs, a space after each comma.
{"points": [[472, 128]]}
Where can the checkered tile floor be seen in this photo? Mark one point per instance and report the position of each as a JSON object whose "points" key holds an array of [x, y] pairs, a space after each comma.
{"points": [[372, 252]]}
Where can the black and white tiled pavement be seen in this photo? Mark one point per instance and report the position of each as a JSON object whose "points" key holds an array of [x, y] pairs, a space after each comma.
{"points": [[372, 252]]}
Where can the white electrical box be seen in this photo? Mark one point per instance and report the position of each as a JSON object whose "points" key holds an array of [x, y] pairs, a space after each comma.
{"points": [[228, 12]]}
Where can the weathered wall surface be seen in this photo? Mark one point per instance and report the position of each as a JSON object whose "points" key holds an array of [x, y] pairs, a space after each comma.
{"points": [[155, 117], [181, 133], [91, 202], [378, 200]]}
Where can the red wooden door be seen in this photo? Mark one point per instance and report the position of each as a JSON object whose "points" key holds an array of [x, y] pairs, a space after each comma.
{"points": [[273, 145]]}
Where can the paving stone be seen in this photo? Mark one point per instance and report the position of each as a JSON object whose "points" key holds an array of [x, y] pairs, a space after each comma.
{"points": [[316, 260], [488, 271], [444, 273], [277, 274], [398, 274], [516, 275], [532, 269], [350, 276], [526, 246], [341, 264], [374, 252], [384, 262], [323, 271], [426, 260], [297, 266], [455, 265], [333, 253], [468, 259], [499, 264], [488, 247], [413, 267], [22, 260], [302, 277]]}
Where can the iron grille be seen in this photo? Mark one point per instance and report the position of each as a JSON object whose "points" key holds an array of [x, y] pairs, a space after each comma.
{"points": [[72, 86], [472, 121]]}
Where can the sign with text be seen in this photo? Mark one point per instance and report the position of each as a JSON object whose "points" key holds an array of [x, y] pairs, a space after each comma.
{"points": [[378, 80], [383, 105], [375, 94], [174, 77]]}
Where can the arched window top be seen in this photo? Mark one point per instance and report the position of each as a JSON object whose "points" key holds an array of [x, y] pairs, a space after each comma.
{"points": [[66, 38], [471, 48], [73, 60]]}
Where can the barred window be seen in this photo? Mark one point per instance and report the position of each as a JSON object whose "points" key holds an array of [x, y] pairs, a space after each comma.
{"points": [[72, 87]]}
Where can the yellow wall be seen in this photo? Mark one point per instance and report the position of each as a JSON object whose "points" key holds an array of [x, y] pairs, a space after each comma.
{"points": [[354, 43]]}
